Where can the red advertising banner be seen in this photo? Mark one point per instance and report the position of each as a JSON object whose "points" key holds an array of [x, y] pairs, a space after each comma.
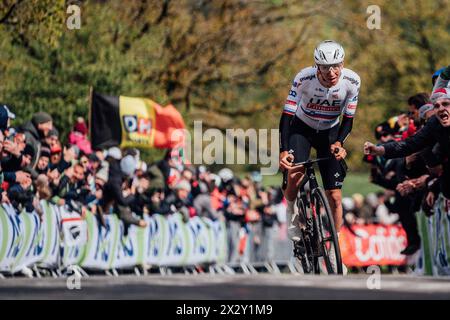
{"points": [[372, 245]]}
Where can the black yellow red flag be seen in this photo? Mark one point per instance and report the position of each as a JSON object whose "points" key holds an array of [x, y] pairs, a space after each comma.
{"points": [[133, 122]]}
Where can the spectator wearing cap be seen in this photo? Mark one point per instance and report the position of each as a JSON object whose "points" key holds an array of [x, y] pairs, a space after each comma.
{"points": [[27, 156], [55, 153], [79, 136], [52, 138], [60, 158], [101, 177], [426, 112], [139, 173], [36, 130]]}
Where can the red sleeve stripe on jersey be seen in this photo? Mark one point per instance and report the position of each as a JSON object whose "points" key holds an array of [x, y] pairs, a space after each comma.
{"points": [[293, 103], [289, 113]]}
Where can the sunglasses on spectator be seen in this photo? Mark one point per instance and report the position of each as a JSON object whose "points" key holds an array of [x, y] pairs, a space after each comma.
{"points": [[325, 68], [444, 104]]}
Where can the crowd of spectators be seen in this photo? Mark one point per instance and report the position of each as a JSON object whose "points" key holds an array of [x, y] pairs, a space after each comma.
{"points": [[411, 159], [36, 165]]}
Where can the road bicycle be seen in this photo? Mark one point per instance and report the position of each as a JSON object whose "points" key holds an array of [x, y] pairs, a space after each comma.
{"points": [[318, 247]]}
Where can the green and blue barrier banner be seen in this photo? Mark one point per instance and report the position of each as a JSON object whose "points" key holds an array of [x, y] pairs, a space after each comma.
{"points": [[199, 240], [178, 248], [61, 238], [74, 236], [434, 258], [48, 244], [102, 244], [19, 234], [155, 239], [218, 240]]}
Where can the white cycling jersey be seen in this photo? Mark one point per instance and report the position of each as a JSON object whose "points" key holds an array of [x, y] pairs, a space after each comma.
{"points": [[320, 107]]}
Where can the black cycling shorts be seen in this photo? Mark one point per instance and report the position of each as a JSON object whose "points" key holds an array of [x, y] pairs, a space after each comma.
{"points": [[302, 137]]}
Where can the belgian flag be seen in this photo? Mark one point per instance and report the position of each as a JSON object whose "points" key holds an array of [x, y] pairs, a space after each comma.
{"points": [[133, 122]]}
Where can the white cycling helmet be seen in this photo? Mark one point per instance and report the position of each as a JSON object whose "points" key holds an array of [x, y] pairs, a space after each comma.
{"points": [[329, 52]]}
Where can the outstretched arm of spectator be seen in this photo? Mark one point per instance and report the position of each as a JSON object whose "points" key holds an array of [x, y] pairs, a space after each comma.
{"points": [[421, 140]]}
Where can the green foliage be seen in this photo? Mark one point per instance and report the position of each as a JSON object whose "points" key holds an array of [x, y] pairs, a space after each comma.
{"points": [[229, 63]]}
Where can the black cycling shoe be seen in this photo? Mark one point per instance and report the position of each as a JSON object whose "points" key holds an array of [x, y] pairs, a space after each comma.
{"points": [[410, 250]]}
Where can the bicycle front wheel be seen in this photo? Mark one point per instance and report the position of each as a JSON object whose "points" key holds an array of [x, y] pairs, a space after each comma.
{"points": [[327, 235]]}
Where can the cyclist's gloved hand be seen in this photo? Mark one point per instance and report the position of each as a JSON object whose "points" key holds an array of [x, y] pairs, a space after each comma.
{"points": [[286, 160], [338, 151]]}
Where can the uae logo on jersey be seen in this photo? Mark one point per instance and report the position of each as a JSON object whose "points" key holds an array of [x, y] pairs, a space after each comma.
{"points": [[325, 102]]}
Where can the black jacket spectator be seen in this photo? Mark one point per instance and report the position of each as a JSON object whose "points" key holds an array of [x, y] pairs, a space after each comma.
{"points": [[34, 135], [433, 132]]}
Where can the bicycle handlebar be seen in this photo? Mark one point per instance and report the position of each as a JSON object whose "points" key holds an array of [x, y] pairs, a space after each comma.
{"points": [[310, 162]]}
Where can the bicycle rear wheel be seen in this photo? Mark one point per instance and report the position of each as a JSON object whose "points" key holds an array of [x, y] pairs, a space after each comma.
{"points": [[327, 235]]}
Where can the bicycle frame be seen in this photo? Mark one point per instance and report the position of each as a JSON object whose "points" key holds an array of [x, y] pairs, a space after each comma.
{"points": [[312, 241]]}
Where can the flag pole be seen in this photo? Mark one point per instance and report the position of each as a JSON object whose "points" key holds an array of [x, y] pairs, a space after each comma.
{"points": [[91, 91]]}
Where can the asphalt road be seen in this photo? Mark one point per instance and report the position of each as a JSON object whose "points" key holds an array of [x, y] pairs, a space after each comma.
{"points": [[226, 287]]}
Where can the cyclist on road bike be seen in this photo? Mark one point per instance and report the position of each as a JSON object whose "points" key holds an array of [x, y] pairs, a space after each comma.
{"points": [[318, 97]]}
